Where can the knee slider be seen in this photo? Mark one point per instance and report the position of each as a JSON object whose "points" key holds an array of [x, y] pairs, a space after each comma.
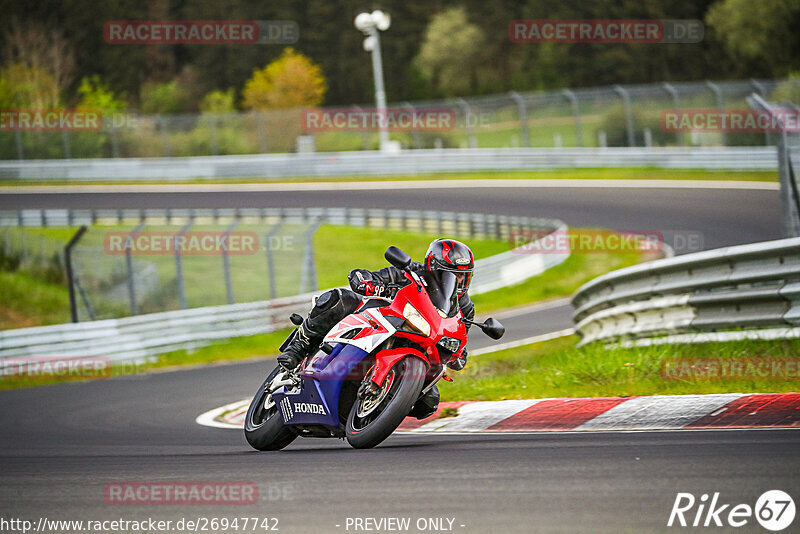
{"points": [[325, 302]]}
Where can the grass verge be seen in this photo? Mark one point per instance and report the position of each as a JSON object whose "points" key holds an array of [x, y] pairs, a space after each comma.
{"points": [[558, 368], [633, 173]]}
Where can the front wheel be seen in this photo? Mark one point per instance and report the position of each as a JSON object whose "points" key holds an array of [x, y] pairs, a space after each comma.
{"points": [[263, 425], [374, 417]]}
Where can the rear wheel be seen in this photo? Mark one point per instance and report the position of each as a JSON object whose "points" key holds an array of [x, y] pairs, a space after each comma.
{"points": [[374, 417], [263, 425]]}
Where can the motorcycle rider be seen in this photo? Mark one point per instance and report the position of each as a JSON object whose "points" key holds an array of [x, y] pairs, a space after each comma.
{"points": [[336, 304]]}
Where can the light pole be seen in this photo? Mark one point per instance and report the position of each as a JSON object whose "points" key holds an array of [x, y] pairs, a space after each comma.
{"points": [[370, 24]]}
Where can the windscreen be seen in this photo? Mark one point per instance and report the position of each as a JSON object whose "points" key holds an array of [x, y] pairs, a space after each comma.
{"points": [[442, 290]]}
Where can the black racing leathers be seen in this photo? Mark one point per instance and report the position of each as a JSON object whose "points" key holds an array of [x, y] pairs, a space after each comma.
{"points": [[385, 281]]}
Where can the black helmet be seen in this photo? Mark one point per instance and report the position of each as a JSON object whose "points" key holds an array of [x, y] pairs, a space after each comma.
{"points": [[451, 255]]}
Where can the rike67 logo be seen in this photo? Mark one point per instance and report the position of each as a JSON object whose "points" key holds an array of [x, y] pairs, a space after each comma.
{"points": [[774, 510]]}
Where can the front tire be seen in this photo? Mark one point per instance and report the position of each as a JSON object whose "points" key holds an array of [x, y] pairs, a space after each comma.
{"points": [[367, 424], [263, 427]]}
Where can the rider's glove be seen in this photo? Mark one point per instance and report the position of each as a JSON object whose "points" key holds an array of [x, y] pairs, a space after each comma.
{"points": [[458, 363], [365, 287], [373, 288]]}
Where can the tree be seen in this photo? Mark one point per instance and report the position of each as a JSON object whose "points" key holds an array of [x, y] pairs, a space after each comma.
{"points": [[22, 86], [96, 95], [290, 81], [451, 53], [168, 97], [42, 55], [218, 102], [762, 31]]}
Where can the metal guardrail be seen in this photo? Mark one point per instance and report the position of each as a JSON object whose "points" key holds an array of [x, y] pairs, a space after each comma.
{"points": [[373, 163], [742, 287], [142, 336]]}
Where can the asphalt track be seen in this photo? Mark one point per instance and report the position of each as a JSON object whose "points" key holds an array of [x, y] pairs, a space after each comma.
{"points": [[60, 445]]}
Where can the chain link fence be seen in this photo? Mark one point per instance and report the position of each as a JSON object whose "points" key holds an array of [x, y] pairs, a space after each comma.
{"points": [[127, 262], [787, 138], [591, 117]]}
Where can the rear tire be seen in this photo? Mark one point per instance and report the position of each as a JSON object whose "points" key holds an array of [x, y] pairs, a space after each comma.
{"points": [[367, 430], [264, 428]]}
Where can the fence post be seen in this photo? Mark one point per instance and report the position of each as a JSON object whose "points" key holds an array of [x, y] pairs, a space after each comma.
{"points": [[179, 267], [273, 283], [212, 133], [676, 105], [162, 125], [364, 133], [114, 140], [720, 104], [262, 131], [20, 148], [67, 145], [226, 261], [626, 102], [73, 306], [758, 86], [790, 199], [129, 267], [471, 142], [576, 113], [415, 138], [308, 278], [523, 117]]}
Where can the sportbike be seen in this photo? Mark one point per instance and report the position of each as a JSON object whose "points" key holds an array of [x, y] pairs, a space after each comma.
{"points": [[371, 367]]}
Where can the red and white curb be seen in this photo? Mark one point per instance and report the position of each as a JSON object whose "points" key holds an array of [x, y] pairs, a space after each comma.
{"points": [[659, 412]]}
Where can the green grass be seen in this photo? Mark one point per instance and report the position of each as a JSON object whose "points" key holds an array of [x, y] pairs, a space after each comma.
{"points": [[557, 368], [26, 301], [633, 173], [559, 281], [238, 349]]}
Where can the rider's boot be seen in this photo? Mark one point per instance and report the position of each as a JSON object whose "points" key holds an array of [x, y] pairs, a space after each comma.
{"points": [[307, 339], [329, 308], [426, 404]]}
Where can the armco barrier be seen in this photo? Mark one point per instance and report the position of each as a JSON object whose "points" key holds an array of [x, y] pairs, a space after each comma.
{"points": [[728, 289], [135, 338], [374, 163]]}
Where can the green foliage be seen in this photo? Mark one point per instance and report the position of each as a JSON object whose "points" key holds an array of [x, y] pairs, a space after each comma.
{"points": [[788, 90], [452, 53], [558, 368], [616, 127], [764, 31], [291, 81], [218, 102], [168, 97], [22, 86], [95, 94]]}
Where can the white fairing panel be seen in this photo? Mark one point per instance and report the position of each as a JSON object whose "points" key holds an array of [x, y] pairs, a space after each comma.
{"points": [[368, 337]]}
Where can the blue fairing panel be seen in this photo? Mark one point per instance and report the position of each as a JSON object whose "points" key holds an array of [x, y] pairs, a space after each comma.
{"points": [[317, 401]]}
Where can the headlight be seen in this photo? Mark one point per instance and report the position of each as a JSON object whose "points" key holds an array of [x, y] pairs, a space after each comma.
{"points": [[449, 344], [416, 320]]}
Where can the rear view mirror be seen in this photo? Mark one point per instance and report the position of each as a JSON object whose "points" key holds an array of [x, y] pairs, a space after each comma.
{"points": [[493, 328], [397, 257]]}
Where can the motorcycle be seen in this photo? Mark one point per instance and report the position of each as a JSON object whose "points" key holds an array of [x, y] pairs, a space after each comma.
{"points": [[371, 367]]}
